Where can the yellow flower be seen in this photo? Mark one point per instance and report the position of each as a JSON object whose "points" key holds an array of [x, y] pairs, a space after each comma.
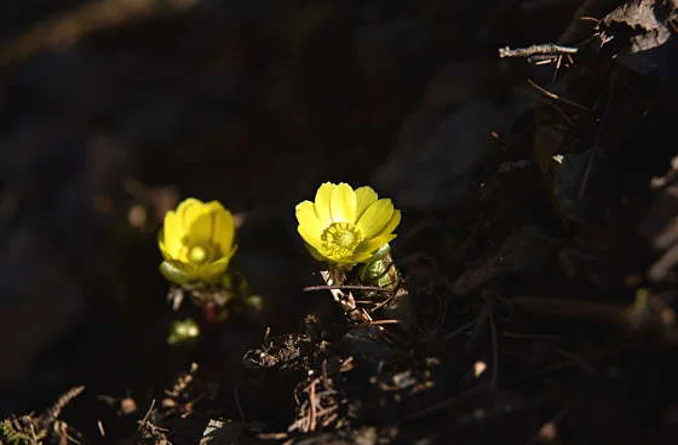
{"points": [[346, 226], [196, 241]]}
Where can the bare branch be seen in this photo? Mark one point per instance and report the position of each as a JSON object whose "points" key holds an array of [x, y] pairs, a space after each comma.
{"points": [[544, 49]]}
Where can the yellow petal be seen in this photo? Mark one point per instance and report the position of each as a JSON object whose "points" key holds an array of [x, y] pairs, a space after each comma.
{"points": [[368, 247], [201, 229], [200, 221], [392, 224], [365, 197], [213, 270], [361, 257], [312, 239], [163, 248], [172, 233], [308, 219], [213, 206], [345, 260], [223, 230], [187, 210], [375, 218], [322, 203], [343, 203], [182, 254], [314, 252], [232, 252]]}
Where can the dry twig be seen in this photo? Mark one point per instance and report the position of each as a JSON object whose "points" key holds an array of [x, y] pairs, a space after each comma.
{"points": [[554, 96], [35, 430], [546, 49]]}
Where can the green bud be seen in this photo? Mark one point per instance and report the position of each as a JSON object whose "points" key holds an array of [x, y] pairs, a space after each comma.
{"points": [[182, 331], [255, 302], [378, 272]]}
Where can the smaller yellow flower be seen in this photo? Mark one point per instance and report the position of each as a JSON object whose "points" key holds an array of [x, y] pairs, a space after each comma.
{"points": [[196, 241], [346, 226]]}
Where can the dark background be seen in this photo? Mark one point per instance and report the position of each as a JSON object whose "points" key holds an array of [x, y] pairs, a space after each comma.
{"points": [[108, 118]]}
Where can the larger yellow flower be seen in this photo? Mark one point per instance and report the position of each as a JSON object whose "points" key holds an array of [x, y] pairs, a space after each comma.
{"points": [[196, 241], [346, 226]]}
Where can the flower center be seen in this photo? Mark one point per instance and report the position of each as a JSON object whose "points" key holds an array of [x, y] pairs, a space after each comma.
{"points": [[201, 253], [341, 239]]}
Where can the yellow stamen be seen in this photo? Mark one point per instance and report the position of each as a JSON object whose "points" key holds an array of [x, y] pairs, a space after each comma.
{"points": [[197, 254], [340, 239]]}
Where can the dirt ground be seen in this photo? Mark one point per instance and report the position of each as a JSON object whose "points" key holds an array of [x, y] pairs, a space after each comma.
{"points": [[537, 186]]}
